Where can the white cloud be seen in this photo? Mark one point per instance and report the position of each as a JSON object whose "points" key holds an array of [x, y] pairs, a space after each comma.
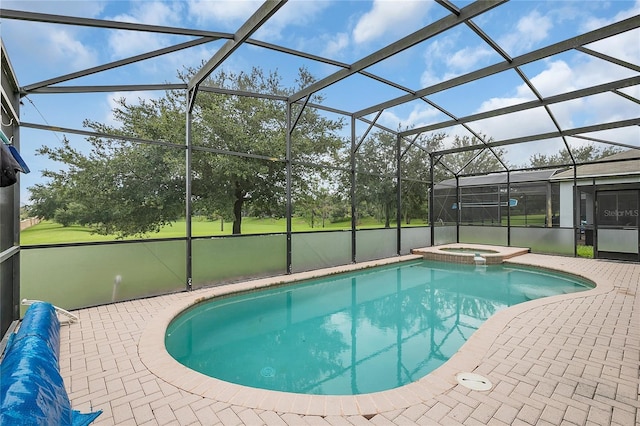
{"points": [[584, 71], [159, 13], [439, 48], [293, 13], [64, 47], [87, 9], [128, 43], [513, 125], [627, 135], [625, 46], [440, 54], [123, 44], [529, 31], [534, 27], [594, 22], [595, 71], [336, 45], [420, 115], [558, 77], [555, 78], [495, 103], [190, 58], [608, 107], [436, 52], [632, 91], [230, 14], [429, 77], [389, 17], [60, 48], [467, 58]]}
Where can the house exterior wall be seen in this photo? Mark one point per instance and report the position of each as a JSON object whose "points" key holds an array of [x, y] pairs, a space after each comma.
{"points": [[566, 205]]}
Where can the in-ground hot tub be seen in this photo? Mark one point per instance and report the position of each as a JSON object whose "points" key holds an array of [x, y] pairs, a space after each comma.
{"points": [[467, 253]]}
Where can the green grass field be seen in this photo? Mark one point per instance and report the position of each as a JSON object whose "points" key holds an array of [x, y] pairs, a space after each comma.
{"points": [[48, 232], [585, 251], [529, 220]]}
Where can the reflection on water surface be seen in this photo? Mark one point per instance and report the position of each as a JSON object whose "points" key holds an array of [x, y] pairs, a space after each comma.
{"points": [[352, 333]]}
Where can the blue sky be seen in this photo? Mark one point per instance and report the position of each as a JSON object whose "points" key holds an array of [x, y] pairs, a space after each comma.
{"points": [[344, 31]]}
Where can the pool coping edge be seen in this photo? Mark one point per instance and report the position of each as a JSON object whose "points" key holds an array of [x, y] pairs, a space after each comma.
{"points": [[154, 356]]}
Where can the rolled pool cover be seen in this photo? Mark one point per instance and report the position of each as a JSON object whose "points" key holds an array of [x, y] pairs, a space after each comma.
{"points": [[31, 388]]}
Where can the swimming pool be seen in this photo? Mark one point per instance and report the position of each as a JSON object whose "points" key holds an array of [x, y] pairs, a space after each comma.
{"points": [[352, 333]]}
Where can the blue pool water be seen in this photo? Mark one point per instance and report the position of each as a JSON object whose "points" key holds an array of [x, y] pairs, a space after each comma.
{"points": [[352, 333]]}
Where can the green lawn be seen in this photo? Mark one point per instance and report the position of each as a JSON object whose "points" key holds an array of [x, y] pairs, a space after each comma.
{"points": [[522, 220], [48, 232], [585, 251]]}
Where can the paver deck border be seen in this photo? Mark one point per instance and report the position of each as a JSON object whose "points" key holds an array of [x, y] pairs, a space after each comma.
{"points": [[155, 357]]}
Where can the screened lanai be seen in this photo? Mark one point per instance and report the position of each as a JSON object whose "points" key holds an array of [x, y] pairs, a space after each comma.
{"points": [[410, 97]]}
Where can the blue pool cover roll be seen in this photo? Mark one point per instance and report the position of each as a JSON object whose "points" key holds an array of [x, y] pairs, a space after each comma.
{"points": [[42, 322], [31, 388]]}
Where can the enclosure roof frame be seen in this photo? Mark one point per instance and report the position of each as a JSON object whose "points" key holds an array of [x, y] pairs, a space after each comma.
{"points": [[455, 16]]}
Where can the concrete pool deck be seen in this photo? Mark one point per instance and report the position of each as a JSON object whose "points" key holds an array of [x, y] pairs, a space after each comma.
{"points": [[570, 359]]}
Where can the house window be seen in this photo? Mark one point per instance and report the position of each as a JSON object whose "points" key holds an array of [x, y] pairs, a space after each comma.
{"points": [[618, 208]]}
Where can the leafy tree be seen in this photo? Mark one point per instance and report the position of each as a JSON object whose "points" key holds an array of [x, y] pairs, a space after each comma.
{"points": [[375, 181], [470, 162], [130, 188], [317, 206], [255, 126], [115, 189], [581, 154], [416, 175], [376, 187], [46, 201]]}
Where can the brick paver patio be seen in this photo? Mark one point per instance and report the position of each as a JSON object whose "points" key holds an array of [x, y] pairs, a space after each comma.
{"points": [[567, 360]]}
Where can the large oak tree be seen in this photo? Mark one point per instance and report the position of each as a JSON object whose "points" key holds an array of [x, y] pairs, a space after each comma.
{"points": [[132, 188]]}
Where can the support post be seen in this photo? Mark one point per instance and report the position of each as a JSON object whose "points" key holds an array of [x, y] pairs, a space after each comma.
{"points": [[288, 186], [459, 210], [549, 206], [353, 189], [188, 213], [576, 210], [399, 195], [431, 199], [508, 209]]}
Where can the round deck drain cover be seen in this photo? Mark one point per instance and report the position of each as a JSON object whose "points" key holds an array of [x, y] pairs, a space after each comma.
{"points": [[474, 381]]}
